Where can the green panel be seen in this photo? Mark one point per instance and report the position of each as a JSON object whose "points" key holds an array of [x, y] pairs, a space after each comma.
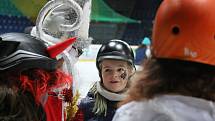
{"points": [[103, 13], [29, 8], [6, 8]]}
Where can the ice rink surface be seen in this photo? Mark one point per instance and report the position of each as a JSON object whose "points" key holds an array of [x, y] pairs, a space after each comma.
{"points": [[86, 75]]}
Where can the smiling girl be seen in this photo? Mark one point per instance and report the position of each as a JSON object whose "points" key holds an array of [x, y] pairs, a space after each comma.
{"points": [[115, 65]]}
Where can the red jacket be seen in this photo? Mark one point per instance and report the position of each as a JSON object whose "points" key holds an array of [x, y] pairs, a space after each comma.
{"points": [[53, 109]]}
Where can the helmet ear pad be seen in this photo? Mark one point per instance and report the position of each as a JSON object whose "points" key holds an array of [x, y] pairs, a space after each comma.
{"points": [[8, 47]]}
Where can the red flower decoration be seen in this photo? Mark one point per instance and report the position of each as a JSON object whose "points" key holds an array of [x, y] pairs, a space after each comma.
{"points": [[67, 94]]}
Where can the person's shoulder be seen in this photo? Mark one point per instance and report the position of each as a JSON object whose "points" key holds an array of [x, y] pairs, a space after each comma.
{"points": [[128, 112], [130, 107], [88, 101], [139, 110]]}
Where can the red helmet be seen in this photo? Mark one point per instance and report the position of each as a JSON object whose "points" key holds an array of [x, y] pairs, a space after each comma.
{"points": [[185, 30]]}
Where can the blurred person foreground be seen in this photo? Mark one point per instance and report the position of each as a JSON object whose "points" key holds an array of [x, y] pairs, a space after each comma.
{"points": [[178, 81]]}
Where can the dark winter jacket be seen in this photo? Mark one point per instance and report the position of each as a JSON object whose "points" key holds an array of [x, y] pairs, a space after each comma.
{"points": [[87, 104], [140, 55]]}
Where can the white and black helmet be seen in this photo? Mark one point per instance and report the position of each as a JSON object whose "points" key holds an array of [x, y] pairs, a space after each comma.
{"points": [[117, 50], [22, 51]]}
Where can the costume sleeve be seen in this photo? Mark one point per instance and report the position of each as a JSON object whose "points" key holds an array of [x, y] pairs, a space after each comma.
{"points": [[79, 116], [53, 109]]}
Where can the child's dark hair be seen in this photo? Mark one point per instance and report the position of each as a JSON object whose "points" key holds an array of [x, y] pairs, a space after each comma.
{"points": [[168, 76], [17, 105]]}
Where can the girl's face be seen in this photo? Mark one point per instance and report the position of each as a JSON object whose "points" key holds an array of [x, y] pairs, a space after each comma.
{"points": [[115, 74]]}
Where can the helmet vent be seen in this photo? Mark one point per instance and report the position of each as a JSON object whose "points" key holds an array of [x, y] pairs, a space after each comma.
{"points": [[175, 30], [9, 47]]}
